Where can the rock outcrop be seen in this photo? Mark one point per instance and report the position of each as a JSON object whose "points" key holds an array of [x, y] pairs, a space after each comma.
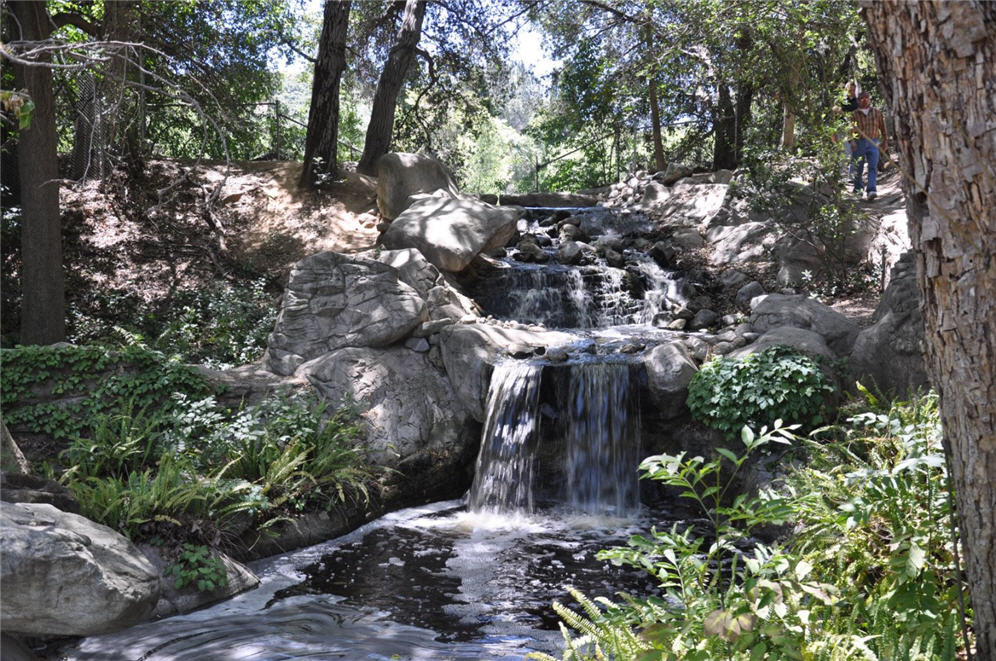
{"points": [[799, 311], [411, 412], [889, 354], [401, 175], [451, 231], [65, 575], [334, 301]]}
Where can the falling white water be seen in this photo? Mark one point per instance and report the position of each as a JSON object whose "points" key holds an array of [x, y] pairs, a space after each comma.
{"points": [[662, 292], [504, 476], [603, 441]]}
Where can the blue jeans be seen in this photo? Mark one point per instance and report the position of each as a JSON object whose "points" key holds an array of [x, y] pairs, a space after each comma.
{"points": [[867, 151]]}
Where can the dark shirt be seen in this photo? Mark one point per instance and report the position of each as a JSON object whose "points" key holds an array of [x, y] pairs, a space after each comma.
{"points": [[850, 105]]}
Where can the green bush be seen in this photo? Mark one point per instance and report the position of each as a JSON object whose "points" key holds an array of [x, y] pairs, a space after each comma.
{"points": [[218, 326], [197, 465], [778, 383], [871, 572]]}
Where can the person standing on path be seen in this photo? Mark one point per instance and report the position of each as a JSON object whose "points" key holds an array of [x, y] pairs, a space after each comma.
{"points": [[868, 138]]}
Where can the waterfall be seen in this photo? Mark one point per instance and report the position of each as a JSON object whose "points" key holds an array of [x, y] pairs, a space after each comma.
{"points": [[504, 475], [602, 441], [594, 459], [553, 296]]}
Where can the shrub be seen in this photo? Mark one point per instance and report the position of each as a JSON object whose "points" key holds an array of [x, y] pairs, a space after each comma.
{"points": [[871, 572], [219, 326], [778, 383]]}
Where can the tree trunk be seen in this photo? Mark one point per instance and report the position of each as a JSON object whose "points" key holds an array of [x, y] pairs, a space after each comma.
{"points": [[937, 61], [788, 127], [322, 141], [381, 126], [43, 319], [655, 120]]}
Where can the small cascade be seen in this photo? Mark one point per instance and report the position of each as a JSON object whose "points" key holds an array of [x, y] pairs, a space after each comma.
{"points": [[602, 441], [552, 296], [662, 289], [586, 461], [504, 476]]}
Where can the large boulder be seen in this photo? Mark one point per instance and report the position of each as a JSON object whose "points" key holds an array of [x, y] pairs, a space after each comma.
{"points": [[408, 403], [334, 301], [414, 420], [739, 244], [64, 575], [451, 231], [889, 354], [670, 368], [799, 311], [693, 205], [800, 339], [400, 175]]}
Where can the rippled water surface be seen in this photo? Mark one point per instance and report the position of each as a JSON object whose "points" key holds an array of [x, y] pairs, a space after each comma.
{"points": [[434, 582]]}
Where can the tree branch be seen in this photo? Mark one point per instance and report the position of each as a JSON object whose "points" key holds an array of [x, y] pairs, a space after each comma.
{"points": [[63, 19]]}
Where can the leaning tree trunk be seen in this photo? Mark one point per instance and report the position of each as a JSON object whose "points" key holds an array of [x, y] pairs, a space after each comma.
{"points": [[940, 81], [43, 319], [322, 141], [381, 126]]}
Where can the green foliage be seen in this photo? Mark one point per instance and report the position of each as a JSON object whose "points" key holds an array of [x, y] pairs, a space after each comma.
{"points": [[197, 464], [874, 510], [199, 567], [218, 326], [778, 383], [869, 574], [121, 442], [807, 198], [90, 381]]}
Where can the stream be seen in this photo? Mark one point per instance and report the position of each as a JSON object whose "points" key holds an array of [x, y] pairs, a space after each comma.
{"points": [[434, 582]]}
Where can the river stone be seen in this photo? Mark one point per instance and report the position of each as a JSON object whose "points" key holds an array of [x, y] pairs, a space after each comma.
{"points": [[800, 339], [334, 301], [451, 231], [688, 239], [569, 253], [64, 575], [401, 175], [670, 368], [410, 409], [471, 351], [704, 318], [238, 579], [747, 293], [800, 311]]}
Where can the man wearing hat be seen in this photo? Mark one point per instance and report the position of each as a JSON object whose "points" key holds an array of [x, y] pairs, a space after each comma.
{"points": [[868, 137]]}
